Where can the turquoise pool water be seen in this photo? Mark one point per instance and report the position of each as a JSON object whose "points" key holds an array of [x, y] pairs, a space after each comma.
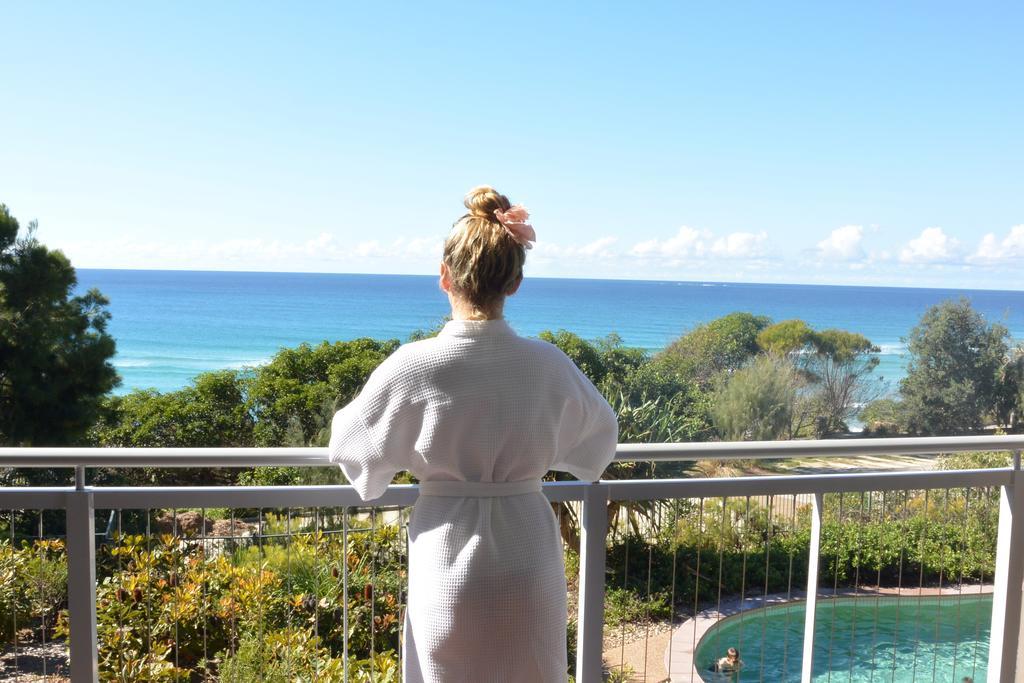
{"points": [[858, 639]]}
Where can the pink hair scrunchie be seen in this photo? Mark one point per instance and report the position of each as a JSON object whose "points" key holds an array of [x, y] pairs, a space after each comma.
{"points": [[514, 221]]}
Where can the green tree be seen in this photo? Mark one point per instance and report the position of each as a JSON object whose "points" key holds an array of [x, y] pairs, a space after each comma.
{"points": [[585, 355], [952, 377], [785, 338], [1010, 393], [840, 368], [210, 413], [757, 402], [722, 345], [54, 348], [293, 398]]}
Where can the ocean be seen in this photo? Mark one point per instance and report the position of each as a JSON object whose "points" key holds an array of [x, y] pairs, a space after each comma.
{"points": [[172, 325]]}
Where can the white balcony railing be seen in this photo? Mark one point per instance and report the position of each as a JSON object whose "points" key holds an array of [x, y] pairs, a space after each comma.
{"points": [[592, 500]]}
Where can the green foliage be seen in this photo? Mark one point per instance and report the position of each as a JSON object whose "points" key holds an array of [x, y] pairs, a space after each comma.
{"points": [[54, 347], [839, 368], [433, 331], [166, 605], [211, 412], [33, 586], [757, 402], [585, 355], [884, 417], [919, 536], [624, 605], [785, 338], [841, 346], [974, 461], [293, 398], [295, 654], [1009, 404], [952, 377], [722, 345]]}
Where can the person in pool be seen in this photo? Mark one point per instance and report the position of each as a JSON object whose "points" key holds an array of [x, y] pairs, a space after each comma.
{"points": [[731, 662]]}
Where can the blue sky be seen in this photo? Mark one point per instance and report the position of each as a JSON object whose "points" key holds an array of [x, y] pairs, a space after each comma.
{"points": [[861, 143]]}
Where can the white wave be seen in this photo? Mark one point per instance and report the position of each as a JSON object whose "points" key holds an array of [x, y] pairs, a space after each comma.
{"points": [[892, 349], [132, 363], [238, 365]]}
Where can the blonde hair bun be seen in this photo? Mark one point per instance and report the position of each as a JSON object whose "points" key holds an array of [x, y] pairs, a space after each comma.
{"points": [[484, 200], [485, 261]]}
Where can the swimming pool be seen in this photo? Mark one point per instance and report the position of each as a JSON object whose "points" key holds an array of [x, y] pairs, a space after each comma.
{"points": [[942, 638]]}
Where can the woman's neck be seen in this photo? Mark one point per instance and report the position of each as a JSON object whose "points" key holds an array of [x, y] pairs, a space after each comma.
{"points": [[463, 310]]}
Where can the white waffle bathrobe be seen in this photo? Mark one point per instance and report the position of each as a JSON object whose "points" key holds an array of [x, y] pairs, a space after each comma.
{"points": [[478, 403]]}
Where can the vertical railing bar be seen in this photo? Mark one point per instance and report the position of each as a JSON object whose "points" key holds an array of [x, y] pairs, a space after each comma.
{"points": [[1004, 651], [149, 581], [260, 531], [960, 577], [767, 569], [721, 559], [789, 588], [625, 584], [178, 571], [939, 603], [41, 587], [856, 581], [743, 572], [403, 596], [344, 592], [673, 539], [233, 624], [14, 612], [81, 550], [835, 588], [920, 582], [899, 577], [590, 612], [317, 581], [288, 583], [807, 663], [205, 580], [373, 593], [878, 592], [977, 617], [650, 565], [696, 589]]}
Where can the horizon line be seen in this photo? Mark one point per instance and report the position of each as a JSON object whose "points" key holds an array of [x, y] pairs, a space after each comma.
{"points": [[552, 277]]}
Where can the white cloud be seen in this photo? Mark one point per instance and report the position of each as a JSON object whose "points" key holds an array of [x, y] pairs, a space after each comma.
{"points": [[692, 243], [322, 252], [933, 245], [687, 242], [843, 244], [740, 245], [992, 249], [599, 249]]}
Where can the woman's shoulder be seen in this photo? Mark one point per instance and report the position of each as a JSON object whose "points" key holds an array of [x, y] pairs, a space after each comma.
{"points": [[433, 352]]}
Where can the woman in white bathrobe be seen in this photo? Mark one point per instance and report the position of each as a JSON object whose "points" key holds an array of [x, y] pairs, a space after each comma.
{"points": [[479, 414]]}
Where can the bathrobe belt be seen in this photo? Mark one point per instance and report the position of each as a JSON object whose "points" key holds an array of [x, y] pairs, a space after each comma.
{"points": [[479, 489]]}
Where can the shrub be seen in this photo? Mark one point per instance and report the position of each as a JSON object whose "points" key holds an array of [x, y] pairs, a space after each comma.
{"points": [[757, 402], [33, 586]]}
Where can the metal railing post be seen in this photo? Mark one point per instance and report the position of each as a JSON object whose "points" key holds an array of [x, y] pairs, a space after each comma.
{"points": [[1009, 580], [590, 616], [81, 548], [810, 607]]}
